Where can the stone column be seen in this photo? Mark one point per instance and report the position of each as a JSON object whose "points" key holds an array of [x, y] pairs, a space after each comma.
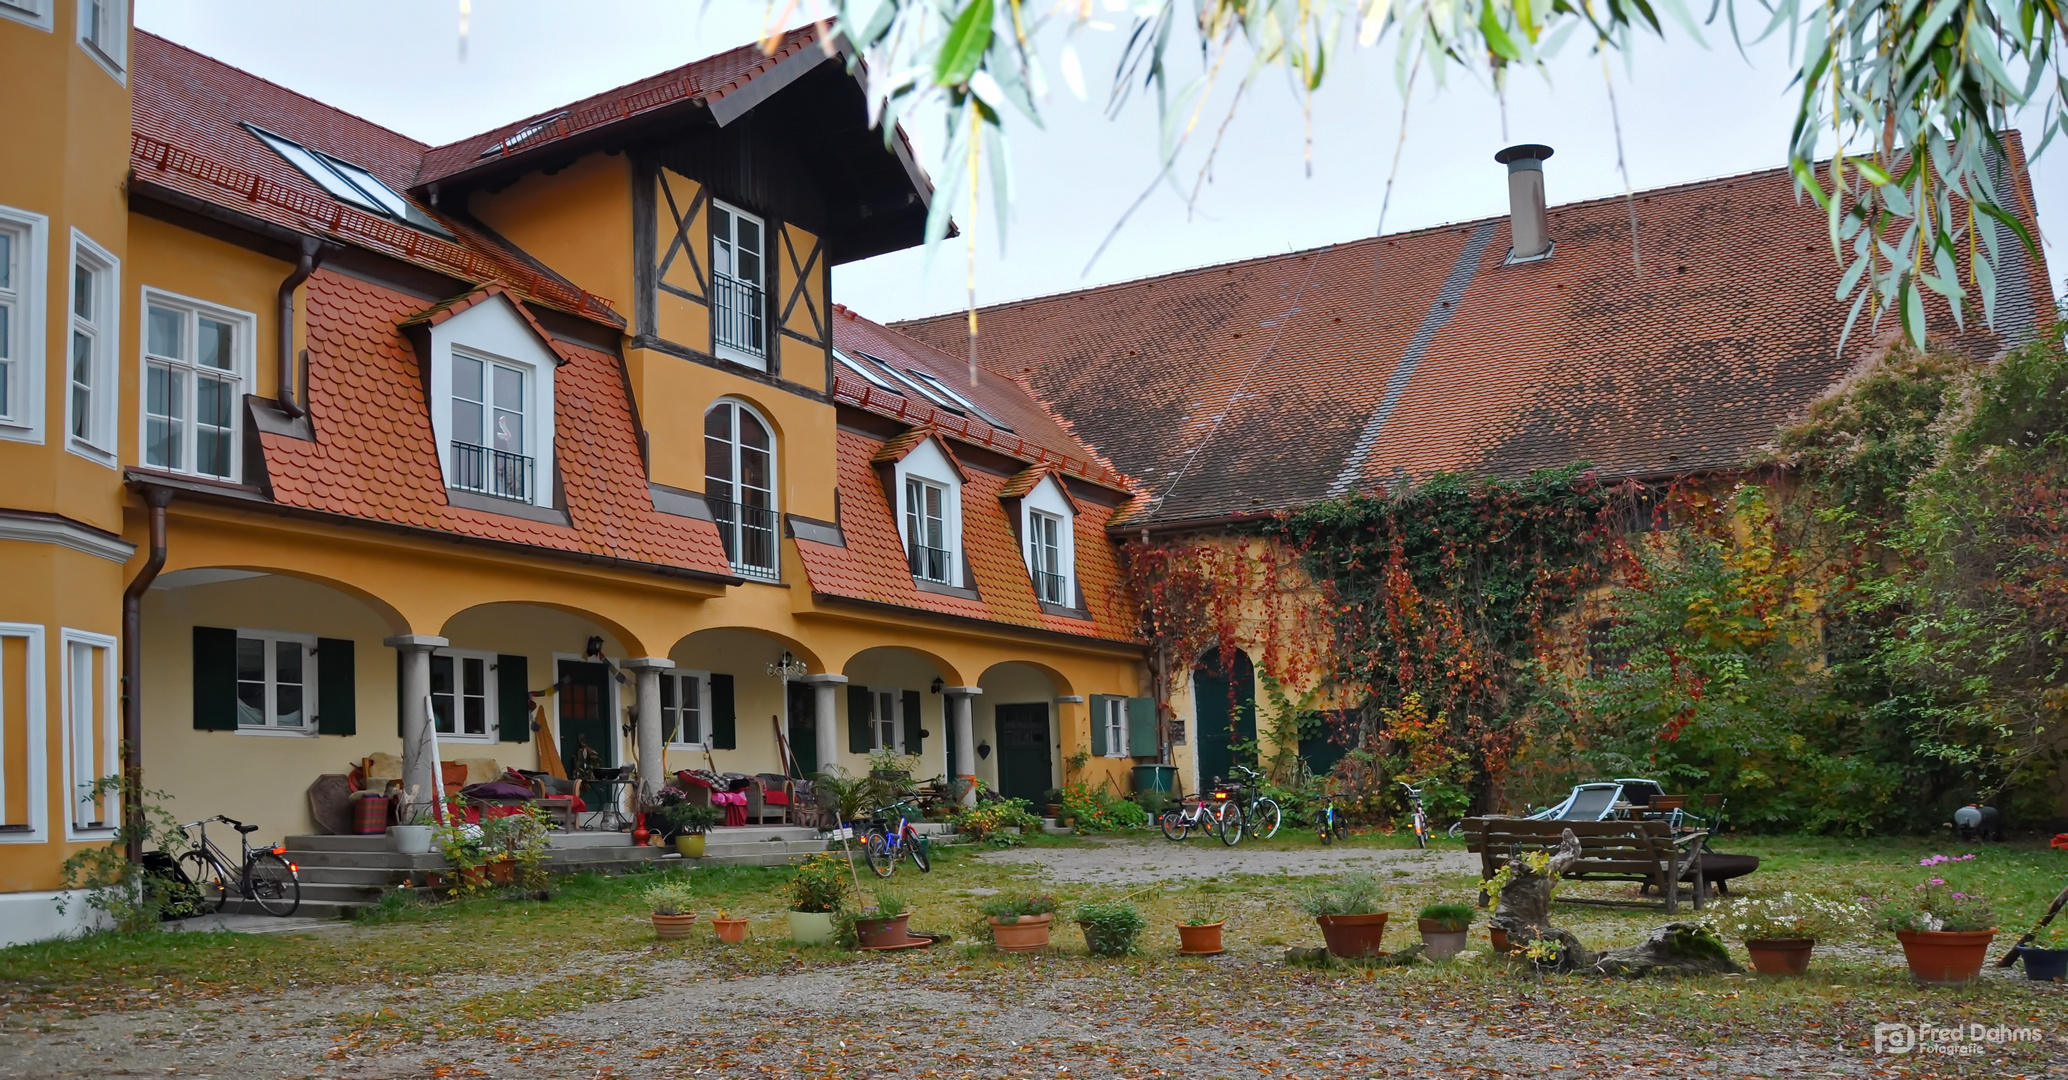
{"points": [[653, 768], [965, 738], [826, 719], [418, 762]]}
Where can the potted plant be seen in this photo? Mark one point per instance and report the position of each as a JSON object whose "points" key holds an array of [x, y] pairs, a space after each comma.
{"points": [[1347, 911], [515, 846], [1052, 802], [1199, 932], [730, 930], [884, 926], [1443, 928], [673, 907], [1110, 928], [2046, 959], [1945, 932], [1019, 923], [1780, 932], [850, 795], [687, 824], [411, 833], [818, 891]]}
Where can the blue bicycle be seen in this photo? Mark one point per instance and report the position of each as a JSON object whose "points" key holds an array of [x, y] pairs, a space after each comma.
{"points": [[1329, 824], [885, 843]]}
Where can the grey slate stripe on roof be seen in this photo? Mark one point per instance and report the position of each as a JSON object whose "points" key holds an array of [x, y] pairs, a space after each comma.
{"points": [[1439, 316]]}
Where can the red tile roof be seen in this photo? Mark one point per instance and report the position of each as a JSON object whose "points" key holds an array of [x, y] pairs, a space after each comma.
{"points": [[706, 81], [1258, 385], [187, 114], [374, 455], [872, 566]]}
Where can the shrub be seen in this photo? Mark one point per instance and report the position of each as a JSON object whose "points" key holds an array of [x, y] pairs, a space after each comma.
{"points": [[819, 884], [1450, 916], [1936, 905], [1095, 811], [1008, 908], [1205, 911], [1791, 915], [670, 898], [677, 817], [1110, 928], [890, 904], [1351, 894], [986, 821]]}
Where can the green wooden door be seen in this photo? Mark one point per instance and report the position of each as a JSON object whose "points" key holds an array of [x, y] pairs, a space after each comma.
{"points": [[1024, 767], [586, 737], [804, 728], [1224, 717]]}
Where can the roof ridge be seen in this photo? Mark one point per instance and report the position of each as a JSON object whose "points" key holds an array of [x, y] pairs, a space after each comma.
{"points": [[420, 145]]}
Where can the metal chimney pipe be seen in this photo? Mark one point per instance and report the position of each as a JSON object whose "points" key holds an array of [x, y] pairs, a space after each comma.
{"points": [[1529, 230]]}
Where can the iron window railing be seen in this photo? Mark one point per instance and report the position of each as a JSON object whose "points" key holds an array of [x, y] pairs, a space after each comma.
{"points": [[737, 315], [491, 472], [749, 533], [929, 563], [1051, 588]]}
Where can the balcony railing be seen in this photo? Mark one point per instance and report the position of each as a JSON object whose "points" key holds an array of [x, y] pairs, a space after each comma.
{"points": [[491, 472], [1052, 588], [737, 315], [749, 533], [929, 563]]}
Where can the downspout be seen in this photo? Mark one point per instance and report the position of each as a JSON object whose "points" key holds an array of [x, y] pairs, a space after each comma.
{"points": [[132, 678], [311, 256]]}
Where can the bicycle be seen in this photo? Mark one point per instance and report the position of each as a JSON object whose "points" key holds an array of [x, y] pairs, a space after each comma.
{"points": [[263, 876], [1203, 813], [1423, 830], [1258, 815], [882, 847], [1328, 824]]}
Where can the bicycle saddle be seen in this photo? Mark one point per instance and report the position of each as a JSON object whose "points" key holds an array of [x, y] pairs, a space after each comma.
{"points": [[245, 828]]}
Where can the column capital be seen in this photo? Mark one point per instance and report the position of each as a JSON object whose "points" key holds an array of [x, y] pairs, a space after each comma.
{"points": [[826, 679], [1070, 699], [962, 691], [416, 641], [644, 663]]}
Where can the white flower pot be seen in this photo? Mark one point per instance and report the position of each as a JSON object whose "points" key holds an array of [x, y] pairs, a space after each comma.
{"points": [[409, 839], [811, 927]]}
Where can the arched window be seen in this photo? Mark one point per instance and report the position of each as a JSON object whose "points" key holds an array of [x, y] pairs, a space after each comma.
{"points": [[739, 483]]}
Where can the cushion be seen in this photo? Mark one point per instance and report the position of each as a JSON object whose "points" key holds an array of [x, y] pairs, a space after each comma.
{"points": [[454, 773], [497, 789], [481, 770], [385, 766], [775, 798]]}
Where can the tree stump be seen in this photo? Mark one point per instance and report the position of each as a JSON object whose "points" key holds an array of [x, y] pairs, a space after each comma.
{"points": [[1524, 909], [1677, 948]]}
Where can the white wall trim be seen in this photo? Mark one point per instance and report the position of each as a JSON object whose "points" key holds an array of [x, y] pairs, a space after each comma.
{"points": [[113, 54], [36, 13], [34, 293], [33, 916], [65, 534], [108, 725], [35, 701]]}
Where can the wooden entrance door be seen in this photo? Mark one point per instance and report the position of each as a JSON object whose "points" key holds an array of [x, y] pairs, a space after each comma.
{"points": [[1023, 762], [587, 734], [804, 728], [1226, 714]]}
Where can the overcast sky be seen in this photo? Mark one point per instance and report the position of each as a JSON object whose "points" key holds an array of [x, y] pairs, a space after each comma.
{"points": [[1687, 113]]}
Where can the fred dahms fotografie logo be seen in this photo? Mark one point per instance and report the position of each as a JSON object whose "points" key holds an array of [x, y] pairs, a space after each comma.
{"points": [[1960, 1040]]}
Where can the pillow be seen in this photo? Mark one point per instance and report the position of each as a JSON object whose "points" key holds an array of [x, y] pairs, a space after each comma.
{"points": [[481, 770], [385, 766]]}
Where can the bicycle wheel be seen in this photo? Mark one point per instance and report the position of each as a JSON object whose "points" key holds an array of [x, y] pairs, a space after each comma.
{"points": [[917, 850], [1325, 827], [1456, 830], [271, 882], [1264, 817], [883, 862], [1173, 822], [209, 878], [1232, 824]]}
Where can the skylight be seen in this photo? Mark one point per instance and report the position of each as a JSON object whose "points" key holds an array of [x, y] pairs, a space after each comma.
{"points": [[348, 182], [861, 369], [963, 401], [523, 135], [925, 391]]}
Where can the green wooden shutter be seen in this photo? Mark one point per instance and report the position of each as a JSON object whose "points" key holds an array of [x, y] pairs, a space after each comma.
{"points": [[215, 679], [1098, 724], [914, 730], [859, 714], [1141, 727], [724, 723], [337, 687], [513, 698]]}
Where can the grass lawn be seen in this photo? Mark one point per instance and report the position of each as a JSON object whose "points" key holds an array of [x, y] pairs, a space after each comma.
{"points": [[429, 979]]}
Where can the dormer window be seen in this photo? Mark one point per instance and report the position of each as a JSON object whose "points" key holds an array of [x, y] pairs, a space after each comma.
{"points": [[492, 407], [926, 529], [739, 322], [488, 426], [1048, 537]]}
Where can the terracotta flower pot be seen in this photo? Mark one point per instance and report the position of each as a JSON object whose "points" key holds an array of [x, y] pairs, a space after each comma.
{"points": [[673, 926], [1028, 933], [1353, 937], [730, 931], [1441, 941], [879, 933], [1499, 938], [1201, 940], [691, 845], [502, 872], [1945, 957], [1781, 956]]}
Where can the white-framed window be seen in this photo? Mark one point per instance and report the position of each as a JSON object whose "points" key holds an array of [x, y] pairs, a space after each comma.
{"points": [[463, 695], [36, 13], [1115, 721], [24, 727], [104, 34], [93, 733], [90, 386], [740, 486], [24, 250], [739, 308], [1048, 532], [492, 403], [887, 730], [926, 529], [685, 708], [276, 682], [489, 406], [198, 359]]}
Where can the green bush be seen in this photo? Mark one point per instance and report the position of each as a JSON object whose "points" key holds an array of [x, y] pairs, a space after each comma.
{"points": [[1095, 811], [819, 884], [672, 897], [1451, 916], [1110, 929], [1351, 894], [1010, 907]]}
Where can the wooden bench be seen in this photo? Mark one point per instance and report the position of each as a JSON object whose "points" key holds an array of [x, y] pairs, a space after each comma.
{"points": [[1643, 851]]}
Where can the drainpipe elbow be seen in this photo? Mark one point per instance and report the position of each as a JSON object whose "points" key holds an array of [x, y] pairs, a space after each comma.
{"points": [[311, 257]]}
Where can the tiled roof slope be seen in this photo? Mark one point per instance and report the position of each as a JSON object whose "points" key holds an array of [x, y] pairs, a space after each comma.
{"points": [[705, 80], [186, 114], [1037, 434], [374, 456], [872, 566], [1260, 385]]}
